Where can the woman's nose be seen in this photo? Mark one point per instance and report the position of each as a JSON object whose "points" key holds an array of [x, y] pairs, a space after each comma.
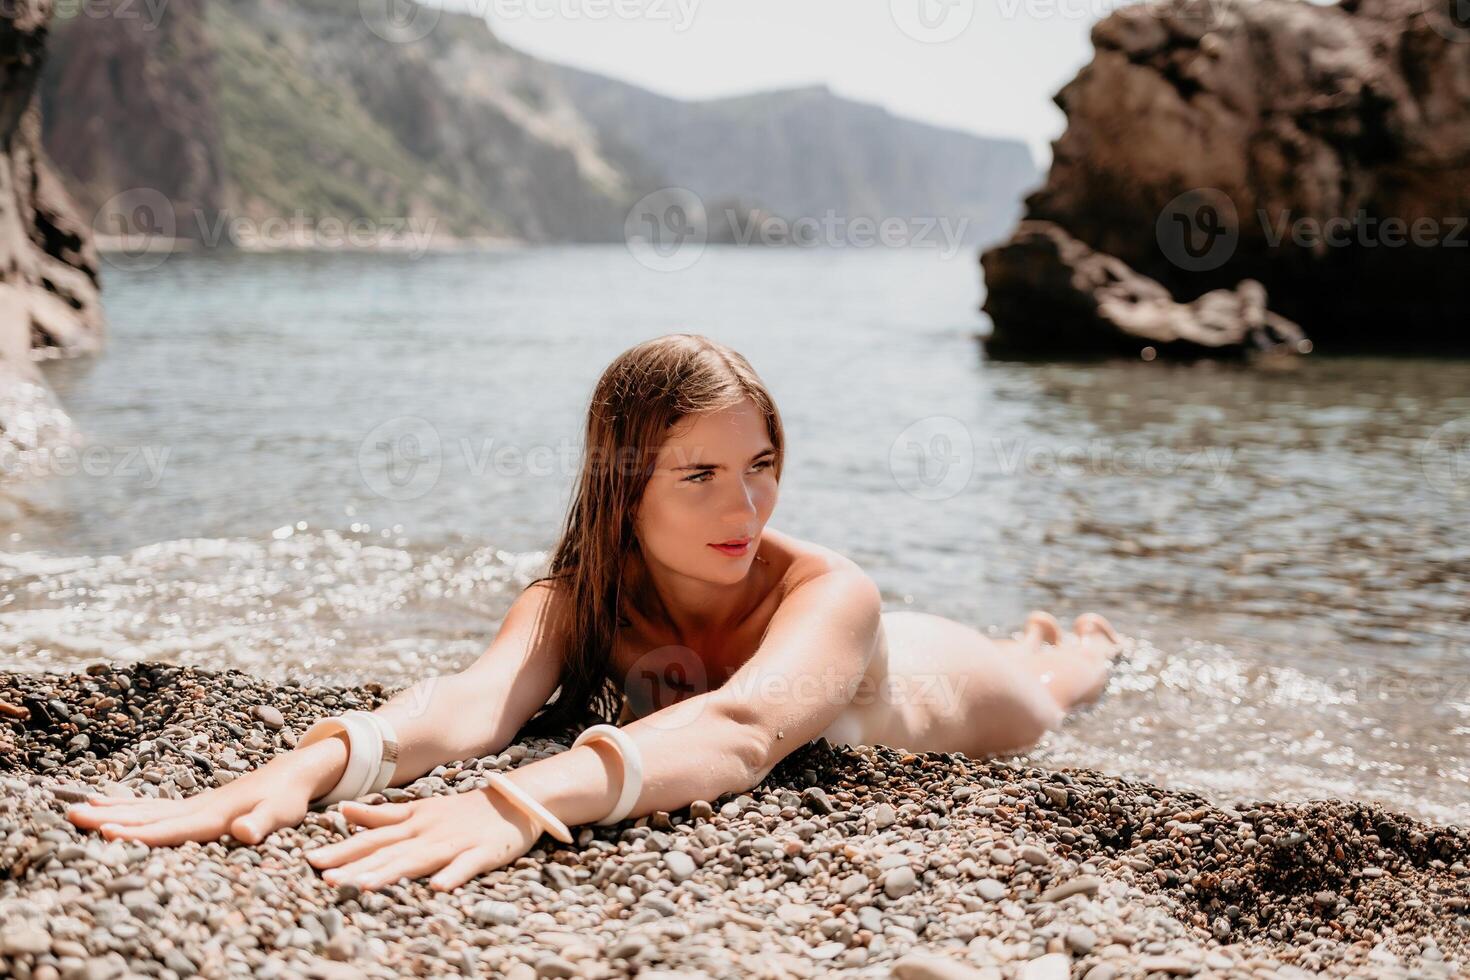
{"points": [[742, 501]]}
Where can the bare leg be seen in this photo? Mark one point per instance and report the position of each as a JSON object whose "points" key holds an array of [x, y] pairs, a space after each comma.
{"points": [[964, 692], [1075, 670]]}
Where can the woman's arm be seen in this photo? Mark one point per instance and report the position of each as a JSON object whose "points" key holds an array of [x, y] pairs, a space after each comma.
{"points": [[437, 720], [478, 710], [815, 654]]}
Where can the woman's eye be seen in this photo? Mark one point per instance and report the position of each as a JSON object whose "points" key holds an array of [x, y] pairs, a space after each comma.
{"points": [[697, 477]]}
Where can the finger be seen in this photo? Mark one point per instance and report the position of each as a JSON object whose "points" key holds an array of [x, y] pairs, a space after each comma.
{"points": [[468, 864], [397, 852], [133, 813], [266, 816], [415, 862], [375, 814], [115, 800], [360, 844], [354, 870], [203, 826]]}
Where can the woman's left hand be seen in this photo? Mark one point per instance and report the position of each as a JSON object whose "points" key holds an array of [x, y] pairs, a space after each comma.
{"points": [[454, 838]]}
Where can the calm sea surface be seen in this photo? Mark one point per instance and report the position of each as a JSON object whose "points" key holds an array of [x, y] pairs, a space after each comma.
{"points": [[345, 466]]}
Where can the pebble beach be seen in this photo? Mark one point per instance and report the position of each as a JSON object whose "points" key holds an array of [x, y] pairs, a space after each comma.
{"points": [[858, 861]]}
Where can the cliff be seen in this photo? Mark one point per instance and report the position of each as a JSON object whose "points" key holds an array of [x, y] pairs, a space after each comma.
{"points": [[229, 114], [1321, 151], [48, 268]]}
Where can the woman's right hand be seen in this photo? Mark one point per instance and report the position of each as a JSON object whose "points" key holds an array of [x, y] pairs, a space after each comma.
{"points": [[262, 800]]}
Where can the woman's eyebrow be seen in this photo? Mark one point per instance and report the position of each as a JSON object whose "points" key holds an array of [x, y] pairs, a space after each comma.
{"points": [[719, 466]]}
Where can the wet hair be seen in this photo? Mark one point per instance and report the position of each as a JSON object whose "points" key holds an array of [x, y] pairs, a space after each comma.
{"points": [[643, 393]]}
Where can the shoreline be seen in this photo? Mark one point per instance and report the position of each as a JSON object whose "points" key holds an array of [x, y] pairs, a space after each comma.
{"points": [[868, 860]]}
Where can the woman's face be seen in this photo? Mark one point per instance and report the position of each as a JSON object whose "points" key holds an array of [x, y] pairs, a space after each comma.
{"points": [[714, 480]]}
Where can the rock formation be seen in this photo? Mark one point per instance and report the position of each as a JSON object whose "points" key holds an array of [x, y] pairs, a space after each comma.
{"points": [[1084, 291], [264, 110], [49, 305], [1321, 151]]}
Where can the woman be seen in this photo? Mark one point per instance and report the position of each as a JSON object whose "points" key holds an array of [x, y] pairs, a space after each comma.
{"points": [[729, 644]]}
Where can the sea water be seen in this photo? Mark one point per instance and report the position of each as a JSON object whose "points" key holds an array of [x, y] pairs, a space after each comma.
{"points": [[345, 466]]}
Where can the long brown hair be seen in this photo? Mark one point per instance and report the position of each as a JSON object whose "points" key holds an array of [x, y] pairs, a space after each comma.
{"points": [[646, 390]]}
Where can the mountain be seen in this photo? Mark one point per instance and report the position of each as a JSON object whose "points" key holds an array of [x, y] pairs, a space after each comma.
{"points": [[267, 109], [803, 152]]}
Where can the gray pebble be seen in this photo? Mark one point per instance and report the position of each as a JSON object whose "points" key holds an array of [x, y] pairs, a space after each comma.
{"points": [[1081, 885], [899, 882], [489, 913], [679, 865]]}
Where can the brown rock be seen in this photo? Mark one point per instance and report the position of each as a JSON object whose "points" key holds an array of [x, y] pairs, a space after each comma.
{"points": [[48, 266], [1210, 142]]}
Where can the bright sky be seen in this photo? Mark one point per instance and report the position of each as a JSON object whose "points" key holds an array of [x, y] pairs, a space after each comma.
{"points": [[982, 66]]}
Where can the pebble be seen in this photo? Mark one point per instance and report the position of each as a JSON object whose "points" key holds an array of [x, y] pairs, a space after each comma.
{"points": [[899, 882], [923, 966], [817, 869], [991, 890], [1081, 940], [488, 913], [679, 865], [1052, 966], [1081, 885], [24, 939], [1175, 965]]}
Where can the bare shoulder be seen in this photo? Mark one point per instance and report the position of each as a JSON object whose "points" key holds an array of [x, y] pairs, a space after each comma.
{"points": [[806, 562]]}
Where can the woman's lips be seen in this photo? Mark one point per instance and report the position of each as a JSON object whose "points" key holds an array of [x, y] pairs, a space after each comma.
{"points": [[732, 549]]}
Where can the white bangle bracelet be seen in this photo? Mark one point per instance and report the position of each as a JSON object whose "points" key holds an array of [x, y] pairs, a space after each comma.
{"points": [[531, 807], [632, 768], [364, 753], [388, 764]]}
